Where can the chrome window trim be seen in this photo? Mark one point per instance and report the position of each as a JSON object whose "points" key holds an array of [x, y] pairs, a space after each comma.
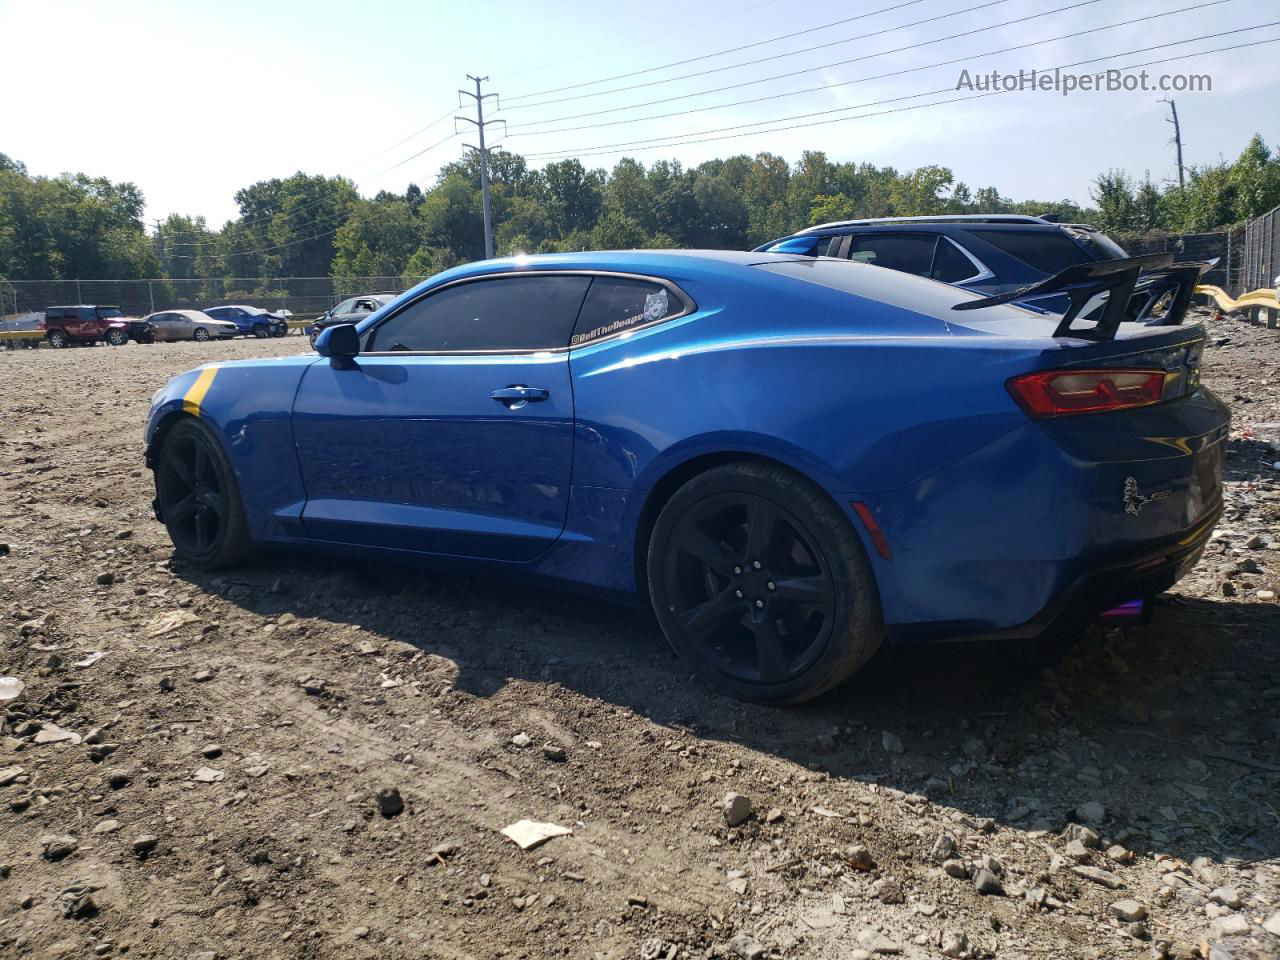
{"points": [[686, 303], [984, 273]]}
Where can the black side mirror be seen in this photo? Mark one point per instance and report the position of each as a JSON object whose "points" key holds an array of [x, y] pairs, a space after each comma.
{"points": [[340, 343]]}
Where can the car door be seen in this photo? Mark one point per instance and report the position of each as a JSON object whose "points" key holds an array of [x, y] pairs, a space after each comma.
{"points": [[161, 326], [184, 326], [452, 432]]}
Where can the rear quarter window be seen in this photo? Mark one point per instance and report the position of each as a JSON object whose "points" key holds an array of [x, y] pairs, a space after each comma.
{"points": [[618, 304], [1045, 250]]}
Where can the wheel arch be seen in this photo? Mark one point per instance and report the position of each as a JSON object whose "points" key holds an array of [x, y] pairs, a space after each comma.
{"points": [[678, 475], [162, 428]]}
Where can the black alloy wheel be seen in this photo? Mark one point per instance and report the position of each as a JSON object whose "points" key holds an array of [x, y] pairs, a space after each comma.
{"points": [[198, 498], [760, 581]]}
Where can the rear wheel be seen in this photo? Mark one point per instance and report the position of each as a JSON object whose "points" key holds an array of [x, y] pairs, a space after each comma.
{"points": [[57, 339], [198, 498], [201, 335], [760, 582], [116, 338]]}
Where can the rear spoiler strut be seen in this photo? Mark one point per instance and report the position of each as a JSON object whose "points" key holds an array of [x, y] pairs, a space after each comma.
{"points": [[1082, 282]]}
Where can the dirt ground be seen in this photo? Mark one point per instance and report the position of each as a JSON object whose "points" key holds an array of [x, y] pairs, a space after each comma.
{"points": [[218, 743]]}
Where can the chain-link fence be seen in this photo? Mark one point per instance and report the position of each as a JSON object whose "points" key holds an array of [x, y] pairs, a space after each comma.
{"points": [[1260, 253], [1194, 246], [302, 296], [1248, 259]]}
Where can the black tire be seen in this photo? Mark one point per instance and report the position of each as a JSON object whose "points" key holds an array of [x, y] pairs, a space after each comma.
{"points": [[312, 337], [201, 335], [116, 338], [198, 498], [760, 582], [261, 331], [57, 339]]}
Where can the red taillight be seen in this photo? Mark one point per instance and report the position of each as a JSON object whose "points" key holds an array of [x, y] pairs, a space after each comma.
{"points": [[1059, 393]]}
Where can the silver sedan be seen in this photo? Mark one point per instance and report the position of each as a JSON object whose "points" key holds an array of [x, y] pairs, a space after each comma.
{"points": [[190, 325]]}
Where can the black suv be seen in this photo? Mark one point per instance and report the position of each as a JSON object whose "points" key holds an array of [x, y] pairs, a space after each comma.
{"points": [[988, 254]]}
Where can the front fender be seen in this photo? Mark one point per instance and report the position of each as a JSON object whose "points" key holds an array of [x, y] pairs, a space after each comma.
{"points": [[248, 405]]}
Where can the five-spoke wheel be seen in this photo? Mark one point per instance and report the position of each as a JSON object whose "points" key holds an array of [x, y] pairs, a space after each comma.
{"points": [[198, 498], [759, 580]]}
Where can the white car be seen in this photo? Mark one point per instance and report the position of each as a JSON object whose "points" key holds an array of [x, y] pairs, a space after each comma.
{"points": [[190, 325]]}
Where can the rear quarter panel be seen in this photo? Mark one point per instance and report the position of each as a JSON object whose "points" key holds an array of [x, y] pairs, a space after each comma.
{"points": [[854, 393]]}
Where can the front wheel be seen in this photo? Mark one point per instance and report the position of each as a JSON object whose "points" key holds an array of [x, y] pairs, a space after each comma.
{"points": [[198, 498], [116, 338], [201, 335], [760, 582], [261, 332], [57, 339]]}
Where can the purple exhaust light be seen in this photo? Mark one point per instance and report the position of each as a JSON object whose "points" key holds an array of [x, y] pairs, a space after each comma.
{"points": [[1128, 611]]}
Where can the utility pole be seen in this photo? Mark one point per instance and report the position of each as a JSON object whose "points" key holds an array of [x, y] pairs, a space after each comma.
{"points": [[159, 238], [480, 123], [1177, 140]]}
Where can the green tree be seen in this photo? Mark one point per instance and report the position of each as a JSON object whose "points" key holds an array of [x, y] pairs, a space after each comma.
{"points": [[377, 240], [1113, 193]]}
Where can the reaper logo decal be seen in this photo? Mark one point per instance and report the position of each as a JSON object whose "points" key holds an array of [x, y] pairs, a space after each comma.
{"points": [[1134, 501]]}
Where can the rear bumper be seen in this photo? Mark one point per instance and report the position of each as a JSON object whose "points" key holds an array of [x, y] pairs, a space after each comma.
{"points": [[1107, 583]]}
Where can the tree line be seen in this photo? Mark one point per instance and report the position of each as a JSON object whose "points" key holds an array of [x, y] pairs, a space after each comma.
{"points": [[77, 226]]}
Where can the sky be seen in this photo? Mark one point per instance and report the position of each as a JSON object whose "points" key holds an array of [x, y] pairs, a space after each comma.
{"points": [[194, 101]]}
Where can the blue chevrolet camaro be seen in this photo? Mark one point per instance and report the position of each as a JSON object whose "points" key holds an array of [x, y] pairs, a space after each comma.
{"points": [[792, 459]]}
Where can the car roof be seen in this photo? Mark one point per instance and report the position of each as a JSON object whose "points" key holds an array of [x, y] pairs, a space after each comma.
{"points": [[959, 218], [84, 306], [1029, 225], [667, 264]]}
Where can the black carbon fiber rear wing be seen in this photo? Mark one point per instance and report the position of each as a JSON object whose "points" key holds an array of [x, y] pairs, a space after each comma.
{"points": [[1082, 282]]}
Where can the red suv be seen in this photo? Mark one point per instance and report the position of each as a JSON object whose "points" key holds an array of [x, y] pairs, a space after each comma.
{"points": [[82, 324]]}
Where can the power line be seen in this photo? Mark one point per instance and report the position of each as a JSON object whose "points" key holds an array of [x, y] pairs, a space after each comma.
{"points": [[721, 53], [382, 153], [612, 148], [839, 63], [439, 143], [631, 42], [844, 83]]}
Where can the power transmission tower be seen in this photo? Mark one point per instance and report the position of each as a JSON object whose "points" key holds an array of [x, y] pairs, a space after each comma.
{"points": [[480, 123], [1177, 140]]}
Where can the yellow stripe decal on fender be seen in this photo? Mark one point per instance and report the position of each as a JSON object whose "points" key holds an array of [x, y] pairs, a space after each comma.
{"points": [[195, 395]]}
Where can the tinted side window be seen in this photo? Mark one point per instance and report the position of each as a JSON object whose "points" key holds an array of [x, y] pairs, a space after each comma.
{"points": [[950, 265], [906, 252], [503, 313], [615, 304], [1045, 250]]}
